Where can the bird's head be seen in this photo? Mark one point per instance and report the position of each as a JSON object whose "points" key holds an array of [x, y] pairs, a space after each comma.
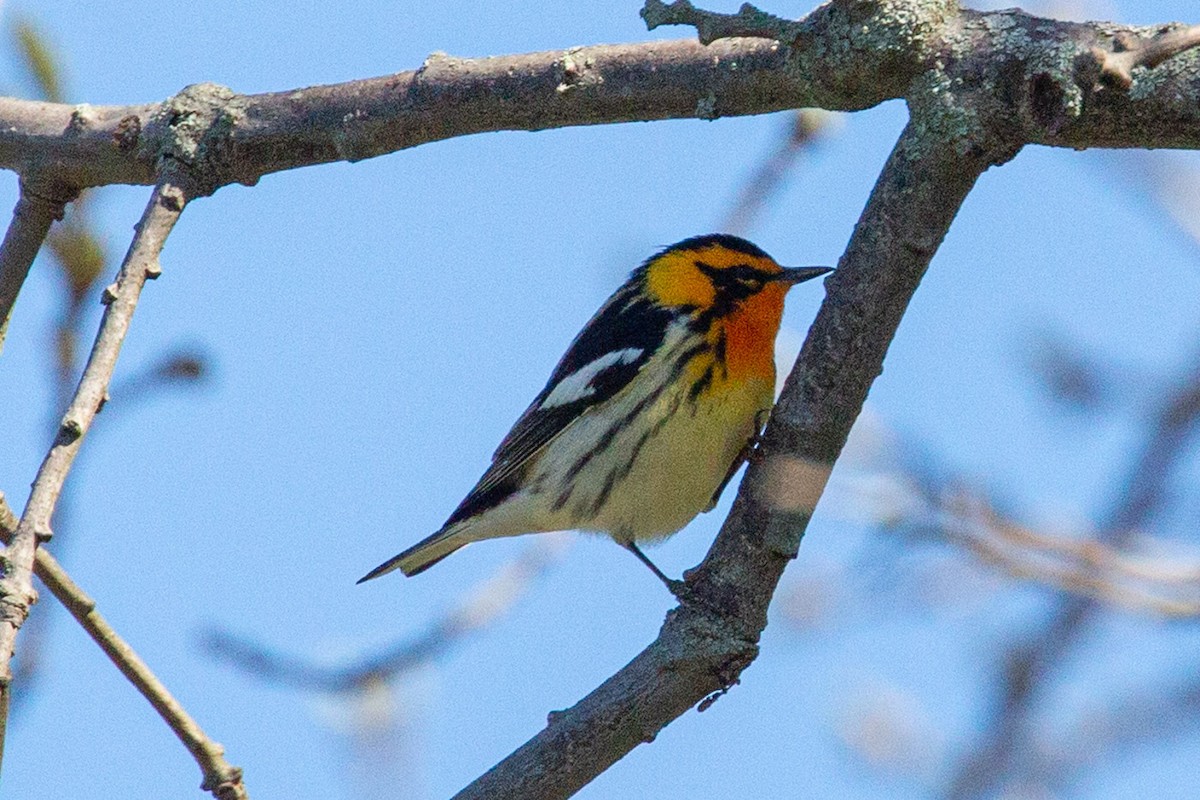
{"points": [[714, 275]]}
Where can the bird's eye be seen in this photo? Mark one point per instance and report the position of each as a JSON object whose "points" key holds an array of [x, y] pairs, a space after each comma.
{"points": [[741, 276], [746, 277]]}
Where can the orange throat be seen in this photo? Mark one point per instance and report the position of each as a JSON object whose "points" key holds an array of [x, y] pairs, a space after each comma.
{"points": [[750, 332]]}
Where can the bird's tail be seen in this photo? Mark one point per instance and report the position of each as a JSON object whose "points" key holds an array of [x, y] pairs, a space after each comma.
{"points": [[424, 554]]}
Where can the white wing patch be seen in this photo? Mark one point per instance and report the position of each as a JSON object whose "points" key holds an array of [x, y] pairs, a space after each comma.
{"points": [[578, 384]]}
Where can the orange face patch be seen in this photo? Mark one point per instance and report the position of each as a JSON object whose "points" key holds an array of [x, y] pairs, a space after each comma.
{"points": [[684, 278], [674, 279]]}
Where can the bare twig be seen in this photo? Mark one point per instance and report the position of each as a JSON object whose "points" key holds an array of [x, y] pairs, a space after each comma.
{"points": [[711, 26], [704, 645], [36, 210], [222, 779], [79, 255], [141, 263], [1116, 67]]}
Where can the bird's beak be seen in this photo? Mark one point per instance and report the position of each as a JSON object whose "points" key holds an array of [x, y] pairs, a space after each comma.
{"points": [[800, 274]]}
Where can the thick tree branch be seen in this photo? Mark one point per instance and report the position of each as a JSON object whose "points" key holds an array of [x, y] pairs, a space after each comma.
{"points": [[845, 55], [222, 779], [141, 264], [446, 97], [704, 645], [38, 207]]}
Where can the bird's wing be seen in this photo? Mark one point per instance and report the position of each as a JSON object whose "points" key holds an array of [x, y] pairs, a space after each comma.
{"points": [[606, 355]]}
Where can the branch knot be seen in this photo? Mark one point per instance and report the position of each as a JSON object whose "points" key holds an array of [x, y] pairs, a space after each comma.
{"points": [[200, 123]]}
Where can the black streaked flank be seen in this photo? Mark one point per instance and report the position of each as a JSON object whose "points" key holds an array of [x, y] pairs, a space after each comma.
{"points": [[609, 482], [627, 467], [605, 441], [684, 358], [719, 354], [702, 385], [622, 471], [627, 320]]}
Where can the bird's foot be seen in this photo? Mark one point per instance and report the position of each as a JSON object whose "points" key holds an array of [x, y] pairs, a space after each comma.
{"points": [[683, 593]]}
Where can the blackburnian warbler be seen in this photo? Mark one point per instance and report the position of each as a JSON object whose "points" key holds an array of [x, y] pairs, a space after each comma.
{"points": [[648, 415]]}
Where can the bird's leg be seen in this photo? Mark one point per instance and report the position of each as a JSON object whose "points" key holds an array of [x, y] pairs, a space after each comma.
{"points": [[753, 450], [675, 587]]}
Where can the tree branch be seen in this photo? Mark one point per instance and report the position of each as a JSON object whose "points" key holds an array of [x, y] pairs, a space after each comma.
{"points": [[37, 208], [141, 263], [704, 646], [220, 777], [444, 98], [845, 55]]}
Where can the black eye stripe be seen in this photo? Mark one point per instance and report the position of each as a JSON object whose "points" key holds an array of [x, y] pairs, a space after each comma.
{"points": [[729, 276]]}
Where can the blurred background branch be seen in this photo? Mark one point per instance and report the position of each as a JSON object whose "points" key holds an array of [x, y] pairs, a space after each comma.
{"points": [[480, 607], [365, 696], [805, 131]]}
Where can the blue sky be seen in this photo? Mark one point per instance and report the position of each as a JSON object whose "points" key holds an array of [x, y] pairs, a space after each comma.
{"points": [[375, 329]]}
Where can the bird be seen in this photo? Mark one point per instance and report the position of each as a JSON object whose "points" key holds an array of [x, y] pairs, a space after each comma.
{"points": [[648, 415]]}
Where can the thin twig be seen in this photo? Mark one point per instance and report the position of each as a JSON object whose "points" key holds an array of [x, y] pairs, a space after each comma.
{"points": [[220, 777], [141, 263], [36, 210], [711, 26], [1116, 68]]}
